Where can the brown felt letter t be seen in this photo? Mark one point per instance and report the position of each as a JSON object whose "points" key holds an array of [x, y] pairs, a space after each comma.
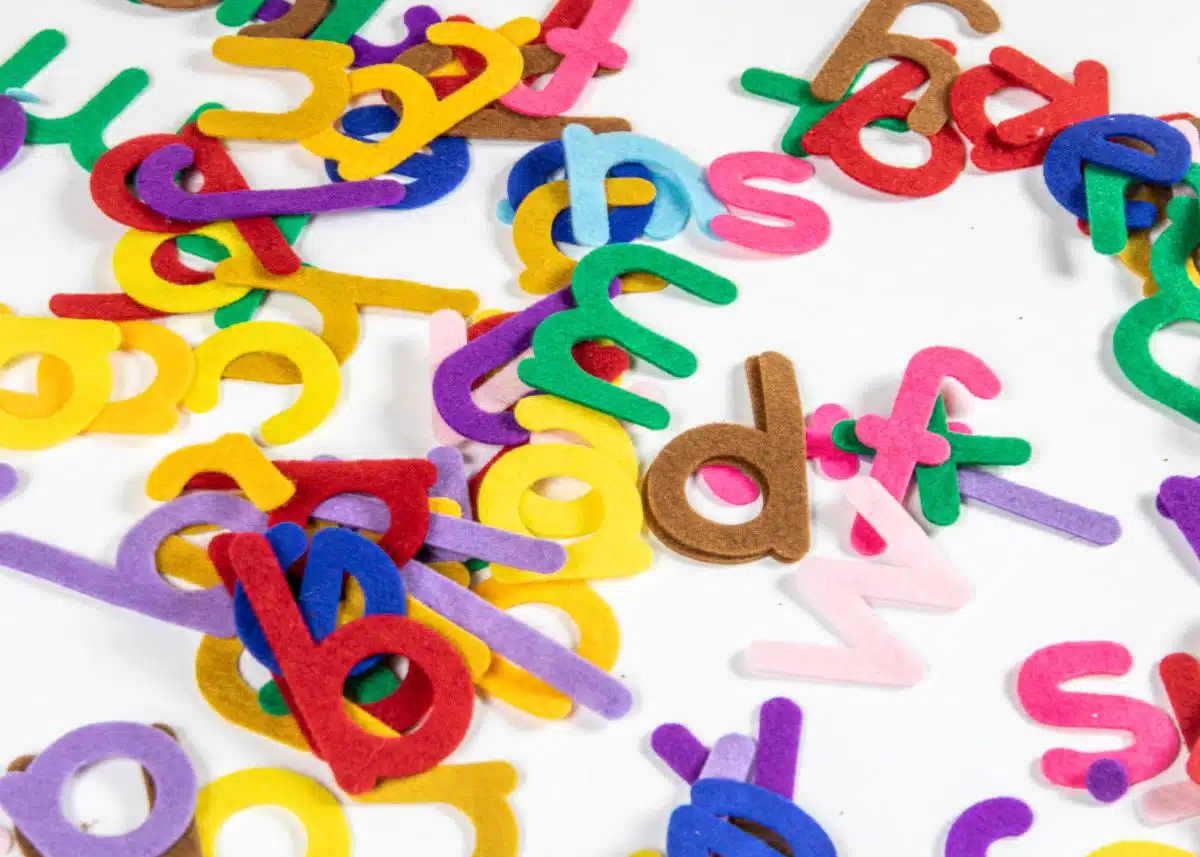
{"points": [[869, 39], [773, 453]]}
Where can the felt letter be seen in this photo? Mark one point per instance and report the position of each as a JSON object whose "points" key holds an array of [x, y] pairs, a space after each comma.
{"points": [[320, 374], [315, 672], [323, 63], [809, 224], [902, 440], [552, 367], [1155, 741], [837, 590], [585, 49], [772, 452], [869, 39], [33, 797]]}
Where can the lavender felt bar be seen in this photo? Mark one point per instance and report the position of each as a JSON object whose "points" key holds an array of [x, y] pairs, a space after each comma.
{"points": [[1033, 505], [512, 639], [452, 484], [684, 753], [134, 582], [494, 545], [730, 759], [453, 380], [364, 512], [779, 723], [156, 186]]}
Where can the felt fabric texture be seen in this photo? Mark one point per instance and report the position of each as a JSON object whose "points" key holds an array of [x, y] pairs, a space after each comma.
{"points": [[1180, 674], [106, 307], [480, 791], [902, 440], [417, 20], [1107, 780], [585, 48], [700, 828], [326, 830], [683, 752], [779, 723], [85, 347], [613, 548], [156, 185], [730, 759], [323, 63], [1155, 741], [134, 269], [515, 641], [32, 797], [1104, 195], [8, 480], [434, 175], [133, 582], [968, 107], [321, 379], [425, 117], [495, 120], [985, 823], [541, 165], [297, 22], [869, 38], [839, 135], [1177, 300], [797, 92], [552, 368], [495, 545], [807, 223], [595, 627], [1022, 141], [547, 268], [565, 519], [455, 375], [338, 298], [590, 157], [315, 671], [111, 179], [1069, 103], [401, 483], [837, 591], [1088, 142], [938, 485], [1074, 520], [1179, 500], [233, 454], [769, 452], [1169, 803], [453, 484], [153, 411]]}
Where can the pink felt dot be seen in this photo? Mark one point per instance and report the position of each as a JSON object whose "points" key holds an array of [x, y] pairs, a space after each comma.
{"points": [[729, 484]]}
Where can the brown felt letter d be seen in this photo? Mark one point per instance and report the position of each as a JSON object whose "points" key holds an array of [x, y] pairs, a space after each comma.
{"points": [[773, 453], [868, 39]]}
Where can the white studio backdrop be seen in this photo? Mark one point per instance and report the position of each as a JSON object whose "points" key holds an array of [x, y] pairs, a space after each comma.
{"points": [[991, 265]]}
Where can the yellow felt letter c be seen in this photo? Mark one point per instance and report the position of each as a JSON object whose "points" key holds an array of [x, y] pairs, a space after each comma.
{"points": [[319, 372]]}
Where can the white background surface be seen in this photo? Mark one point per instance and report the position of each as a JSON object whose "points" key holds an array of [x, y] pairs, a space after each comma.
{"points": [[989, 265]]}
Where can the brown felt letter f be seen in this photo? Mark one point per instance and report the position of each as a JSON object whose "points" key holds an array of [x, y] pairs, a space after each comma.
{"points": [[773, 452]]}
